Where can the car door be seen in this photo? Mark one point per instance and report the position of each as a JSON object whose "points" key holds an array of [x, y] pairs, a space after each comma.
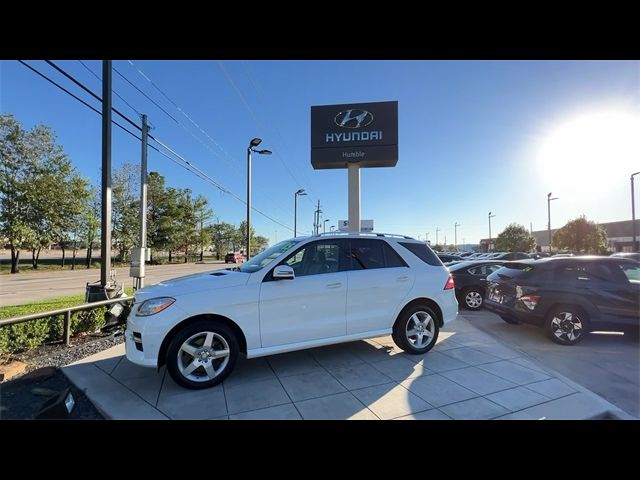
{"points": [[630, 290], [379, 280], [312, 305]]}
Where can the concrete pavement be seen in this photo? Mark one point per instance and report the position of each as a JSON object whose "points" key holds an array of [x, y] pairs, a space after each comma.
{"points": [[33, 286], [605, 363], [468, 375]]}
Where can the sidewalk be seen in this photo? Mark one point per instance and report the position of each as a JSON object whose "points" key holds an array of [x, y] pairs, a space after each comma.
{"points": [[468, 375]]}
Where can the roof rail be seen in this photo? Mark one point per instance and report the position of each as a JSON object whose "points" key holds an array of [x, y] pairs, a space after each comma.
{"points": [[366, 234]]}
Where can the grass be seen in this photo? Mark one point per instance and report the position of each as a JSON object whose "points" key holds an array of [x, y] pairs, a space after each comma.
{"points": [[46, 305], [45, 264]]}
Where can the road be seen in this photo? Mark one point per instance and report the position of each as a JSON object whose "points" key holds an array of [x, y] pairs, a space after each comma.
{"points": [[607, 364], [29, 287]]}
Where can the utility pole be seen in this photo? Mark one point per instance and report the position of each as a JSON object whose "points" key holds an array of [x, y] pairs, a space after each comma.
{"points": [[489, 246], [316, 220], [426, 238], [634, 244], [143, 200], [531, 228], [549, 217], [455, 229], [105, 234], [437, 230]]}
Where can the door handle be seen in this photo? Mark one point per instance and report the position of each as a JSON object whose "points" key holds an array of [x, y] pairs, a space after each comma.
{"points": [[334, 285], [403, 279]]}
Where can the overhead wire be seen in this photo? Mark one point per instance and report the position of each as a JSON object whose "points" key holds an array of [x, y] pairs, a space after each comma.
{"points": [[190, 166]]}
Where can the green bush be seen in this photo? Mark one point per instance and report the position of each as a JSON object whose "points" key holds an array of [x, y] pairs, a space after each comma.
{"points": [[28, 335]]}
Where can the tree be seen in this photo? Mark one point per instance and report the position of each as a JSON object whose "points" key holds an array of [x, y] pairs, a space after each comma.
{"points": [[515, 238], [241, 238], [222, 235], [126, 205], [581, 236], [259, 243], [202, 213], [90, 223], [38, 188]]}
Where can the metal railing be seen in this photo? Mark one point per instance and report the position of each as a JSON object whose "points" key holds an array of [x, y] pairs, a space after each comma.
{"points": [[63, 311]]}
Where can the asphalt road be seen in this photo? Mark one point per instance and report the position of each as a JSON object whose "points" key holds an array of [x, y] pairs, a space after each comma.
{"points": [[607, 364], [29, 287]]}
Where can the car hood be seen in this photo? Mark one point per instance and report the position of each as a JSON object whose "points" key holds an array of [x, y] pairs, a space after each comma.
{"points": [[206, 281]]}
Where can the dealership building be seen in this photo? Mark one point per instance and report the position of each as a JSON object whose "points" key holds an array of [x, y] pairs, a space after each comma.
{"points": [[619, 236]]}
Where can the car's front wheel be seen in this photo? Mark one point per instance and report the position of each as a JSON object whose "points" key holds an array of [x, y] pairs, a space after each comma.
{"points": [[202, 354], [416, 330], [566, 324]]}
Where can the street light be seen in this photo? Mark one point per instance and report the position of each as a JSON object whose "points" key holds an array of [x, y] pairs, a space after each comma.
{"points": [[251, 148], [331, 228], [295, 210], [634, 245], [455, 229], [549, 217], [490, 217], [324, 225]]}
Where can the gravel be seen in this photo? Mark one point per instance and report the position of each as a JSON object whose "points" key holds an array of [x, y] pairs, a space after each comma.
{"points": [[59, 355]]}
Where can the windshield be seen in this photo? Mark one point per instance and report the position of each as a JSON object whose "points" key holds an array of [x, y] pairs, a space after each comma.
{"points": [[269, 255]]}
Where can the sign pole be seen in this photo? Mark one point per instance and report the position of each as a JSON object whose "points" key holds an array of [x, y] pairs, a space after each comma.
{"points": [[354, 197]]}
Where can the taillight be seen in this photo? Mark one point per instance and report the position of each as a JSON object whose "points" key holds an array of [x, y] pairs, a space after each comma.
{"points": [[530, 301], [449, 285]]}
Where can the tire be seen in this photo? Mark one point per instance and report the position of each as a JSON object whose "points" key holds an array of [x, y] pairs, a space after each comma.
{"points": [[472, 298], [420, 319], [510, 320], [566, 324], [187, 349]]}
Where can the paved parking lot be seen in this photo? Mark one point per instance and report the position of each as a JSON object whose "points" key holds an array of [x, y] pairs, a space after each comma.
{"points": [[605, 363], [468, 375]]}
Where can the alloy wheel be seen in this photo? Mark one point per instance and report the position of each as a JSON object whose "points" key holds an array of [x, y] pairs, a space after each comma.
{"points": [[420, 329], [203, 356]]}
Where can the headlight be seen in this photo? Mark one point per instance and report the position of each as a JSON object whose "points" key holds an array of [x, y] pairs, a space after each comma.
{"points": [[154, 305]]}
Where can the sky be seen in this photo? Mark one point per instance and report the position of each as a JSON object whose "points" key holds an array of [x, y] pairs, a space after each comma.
{"points": [[474, 137]]}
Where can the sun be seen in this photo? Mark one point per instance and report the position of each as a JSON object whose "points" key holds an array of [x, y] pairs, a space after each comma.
{"points": [[592, 153]]}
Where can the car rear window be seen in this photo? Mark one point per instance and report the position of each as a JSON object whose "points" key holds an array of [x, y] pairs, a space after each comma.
{"points": [[423, 252]]}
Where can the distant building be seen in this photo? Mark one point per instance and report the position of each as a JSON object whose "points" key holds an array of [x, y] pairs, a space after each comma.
{"points": [[619, 235]]}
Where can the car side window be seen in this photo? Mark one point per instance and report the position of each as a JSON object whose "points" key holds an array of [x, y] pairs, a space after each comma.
{"points": [[632, 272], [327, 256], [368, 254]]}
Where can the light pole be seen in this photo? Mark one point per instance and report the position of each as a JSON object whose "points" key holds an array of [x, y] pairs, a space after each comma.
{"points": [[251, 148], [455, 234], [295, 210], [489, 246], [324, 225], [634, 245], [437, 230], [549, 217]]}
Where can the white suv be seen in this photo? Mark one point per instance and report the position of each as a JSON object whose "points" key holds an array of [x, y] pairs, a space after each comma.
{"points": [[300, 293]]}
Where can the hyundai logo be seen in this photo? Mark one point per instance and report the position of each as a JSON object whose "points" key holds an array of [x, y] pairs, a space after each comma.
{"points": [[353, 118]]}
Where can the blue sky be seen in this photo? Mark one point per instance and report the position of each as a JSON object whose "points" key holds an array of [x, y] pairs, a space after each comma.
{"points": [[472, 136]]}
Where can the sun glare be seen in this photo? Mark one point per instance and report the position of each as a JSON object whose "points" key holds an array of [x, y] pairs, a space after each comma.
{"points": [[595, 151]]}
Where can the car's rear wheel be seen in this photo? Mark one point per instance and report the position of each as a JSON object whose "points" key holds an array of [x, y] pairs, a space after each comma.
{"points": [[566, 324], [510, 320], [416, 329], [202, 354], [473, 298]]}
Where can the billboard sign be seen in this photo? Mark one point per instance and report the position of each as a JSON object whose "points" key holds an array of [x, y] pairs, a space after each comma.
{"points": [[363, 133]]}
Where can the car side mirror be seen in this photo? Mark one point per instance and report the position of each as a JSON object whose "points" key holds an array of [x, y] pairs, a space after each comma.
{"points": [[283, 272]]}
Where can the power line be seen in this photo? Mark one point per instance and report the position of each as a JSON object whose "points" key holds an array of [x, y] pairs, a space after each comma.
{"points": [[191, 167], [177, 107], [135, 125], [255, 118], [117, 94]]}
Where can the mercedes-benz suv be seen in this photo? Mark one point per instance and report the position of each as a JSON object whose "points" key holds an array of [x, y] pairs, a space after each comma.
{"points": [[300, 293]]}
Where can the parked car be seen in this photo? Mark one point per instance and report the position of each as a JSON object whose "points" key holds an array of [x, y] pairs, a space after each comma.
{"points": [[511, 256], [567, 296], [631, 255], [448, 257], [300, 293], [234, 257], [470, 280]]}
